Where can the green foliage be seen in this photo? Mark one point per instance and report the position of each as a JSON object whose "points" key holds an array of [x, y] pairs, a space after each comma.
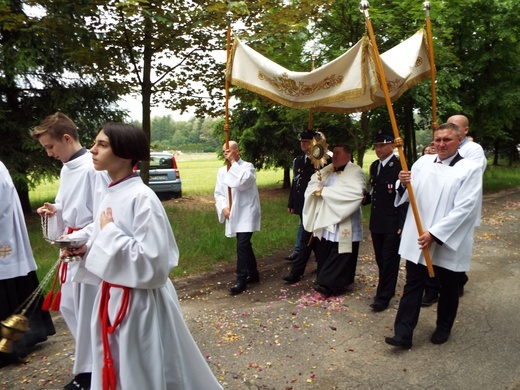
{"points": [[38, 78], [497, 178]]}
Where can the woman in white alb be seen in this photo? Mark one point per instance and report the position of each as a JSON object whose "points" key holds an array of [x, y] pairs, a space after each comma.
{"points": [[139, 338]]}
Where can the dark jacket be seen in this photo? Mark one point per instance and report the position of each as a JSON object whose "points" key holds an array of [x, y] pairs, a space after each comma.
{"points": [[303, 169], [384, 216]]}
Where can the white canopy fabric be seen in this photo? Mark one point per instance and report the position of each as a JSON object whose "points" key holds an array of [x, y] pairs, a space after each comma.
{"points": [[348, 84]]}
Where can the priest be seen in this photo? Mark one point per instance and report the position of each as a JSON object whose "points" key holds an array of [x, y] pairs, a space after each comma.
{"points": [[332, 213]]}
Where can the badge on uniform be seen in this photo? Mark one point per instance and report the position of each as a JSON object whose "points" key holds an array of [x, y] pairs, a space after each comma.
{"points": [[390, 188], [391, 164]]}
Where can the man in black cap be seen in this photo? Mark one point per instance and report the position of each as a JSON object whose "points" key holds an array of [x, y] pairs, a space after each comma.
{"points": [[302, 172], [386, 220], [303, 169]]}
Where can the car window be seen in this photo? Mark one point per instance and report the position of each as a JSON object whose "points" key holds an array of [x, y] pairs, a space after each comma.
{"points": [[161, 162]]}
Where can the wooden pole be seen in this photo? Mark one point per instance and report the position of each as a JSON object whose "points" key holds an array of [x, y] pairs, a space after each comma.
{"points": [[309, 126], [363, 7], [426, 8], [229, 14]]}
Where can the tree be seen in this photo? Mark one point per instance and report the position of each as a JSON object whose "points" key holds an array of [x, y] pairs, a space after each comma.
{"points": [[159, 50], [36, 79], [484, 36]]}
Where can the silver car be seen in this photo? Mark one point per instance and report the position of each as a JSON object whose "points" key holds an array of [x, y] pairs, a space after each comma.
{"points": [[165, 179]]}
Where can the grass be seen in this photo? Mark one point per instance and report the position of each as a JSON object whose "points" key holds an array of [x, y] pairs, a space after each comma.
{"points": [[201, 240]]}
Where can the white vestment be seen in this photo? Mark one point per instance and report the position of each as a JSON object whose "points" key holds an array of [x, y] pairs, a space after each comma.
{"points": [[245, 209], [447, 199], [472, 151], [152, 348], [16, 257], [77, 202], [336, 205]]}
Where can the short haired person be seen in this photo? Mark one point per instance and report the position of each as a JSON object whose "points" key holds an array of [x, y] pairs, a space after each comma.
{"points": [[471, 151], [447, 188], [241, 214], [386, 220], [332, 214], [80, 192], [139, 338], [303, 170], [18, 279]]}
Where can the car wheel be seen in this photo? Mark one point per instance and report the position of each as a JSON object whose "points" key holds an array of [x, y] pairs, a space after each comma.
{"points": [[177, 194], [165, 195]]}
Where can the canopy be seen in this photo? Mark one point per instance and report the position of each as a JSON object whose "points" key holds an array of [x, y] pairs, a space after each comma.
{"points": [[348, 84]]}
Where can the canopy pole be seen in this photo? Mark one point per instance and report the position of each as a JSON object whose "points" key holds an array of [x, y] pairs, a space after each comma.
{"points": [[229, 14], [363, 7], [426, 8], [311, 113]]}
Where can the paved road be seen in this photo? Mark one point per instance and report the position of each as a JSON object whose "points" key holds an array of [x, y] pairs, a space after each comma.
{"points": [[281, 337]]}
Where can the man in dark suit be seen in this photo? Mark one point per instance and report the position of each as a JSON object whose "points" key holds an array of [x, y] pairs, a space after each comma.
{"points": [[303, 169], [386, 220]]}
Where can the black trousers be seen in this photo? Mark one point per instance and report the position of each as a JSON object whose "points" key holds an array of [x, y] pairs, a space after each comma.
{"points": [[432, 286], [336, 271], [386, 248], [410, 304], [300, 263], [246, 260]]}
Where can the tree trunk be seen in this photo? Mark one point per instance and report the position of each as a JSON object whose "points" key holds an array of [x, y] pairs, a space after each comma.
{"points": [[146, 93], [24, 200], [410, 142], [286, 178], [495, 153]]}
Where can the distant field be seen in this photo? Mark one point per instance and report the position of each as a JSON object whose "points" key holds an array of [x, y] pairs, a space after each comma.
{"points": [[198, 173]]}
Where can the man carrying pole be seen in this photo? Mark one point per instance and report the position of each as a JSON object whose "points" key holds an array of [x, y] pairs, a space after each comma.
{"points": [[449, 188]]}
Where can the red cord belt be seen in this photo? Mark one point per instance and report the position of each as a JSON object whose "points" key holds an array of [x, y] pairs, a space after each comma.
{"points": [[52, 300], [109, 374]]}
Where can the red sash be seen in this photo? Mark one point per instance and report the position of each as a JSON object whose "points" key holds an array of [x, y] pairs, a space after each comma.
{"points": [[53, 299], [109, 374]]}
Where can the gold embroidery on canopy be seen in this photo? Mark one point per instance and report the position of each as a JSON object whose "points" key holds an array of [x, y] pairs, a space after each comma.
{"points": [[290, 87], [394, 85]]}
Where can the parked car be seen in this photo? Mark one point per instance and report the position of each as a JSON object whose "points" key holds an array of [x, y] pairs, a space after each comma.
{"points": [[165, 179]]}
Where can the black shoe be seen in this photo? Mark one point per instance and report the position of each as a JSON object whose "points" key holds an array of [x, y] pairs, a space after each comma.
{"points": [[238, 288], [291, 278], [379, 306], [253, 279], [292, 256], [398, 341], [327, 292], [80, 382], [440, 336], [430, 298], [461, 291]]}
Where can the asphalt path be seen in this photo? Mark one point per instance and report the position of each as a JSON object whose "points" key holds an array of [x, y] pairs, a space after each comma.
{"points": [[278, 336]]}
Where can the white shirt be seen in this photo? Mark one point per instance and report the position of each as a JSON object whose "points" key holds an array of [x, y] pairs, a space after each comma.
{"points": [[447, 200], [245, 214]]}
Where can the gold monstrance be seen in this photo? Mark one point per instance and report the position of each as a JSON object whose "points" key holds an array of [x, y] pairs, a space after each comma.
{"points": [[319, 152]]}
